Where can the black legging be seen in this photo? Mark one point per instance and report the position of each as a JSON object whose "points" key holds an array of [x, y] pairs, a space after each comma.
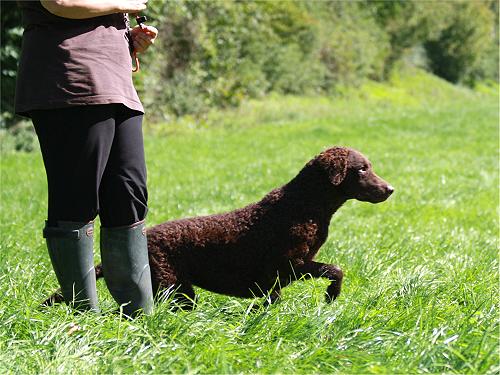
{"points": [[94, 159]]}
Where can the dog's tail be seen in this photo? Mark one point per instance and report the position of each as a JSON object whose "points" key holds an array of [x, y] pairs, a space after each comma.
{"points": [[57, 297]]}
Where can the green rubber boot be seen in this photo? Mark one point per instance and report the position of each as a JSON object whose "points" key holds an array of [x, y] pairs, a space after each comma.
{"points": [[70, 246], [124, 255]]}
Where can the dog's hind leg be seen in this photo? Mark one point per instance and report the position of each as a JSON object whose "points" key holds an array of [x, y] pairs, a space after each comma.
{"points": [[99, 273], [54, 299], [185, 296], [329, 271], [57, 297]]}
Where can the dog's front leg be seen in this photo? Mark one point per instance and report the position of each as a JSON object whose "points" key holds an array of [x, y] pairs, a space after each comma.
{"points": [[329, 271]]}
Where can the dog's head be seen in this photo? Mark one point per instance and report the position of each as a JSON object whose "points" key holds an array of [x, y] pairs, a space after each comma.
{"points": [[351, 173]]}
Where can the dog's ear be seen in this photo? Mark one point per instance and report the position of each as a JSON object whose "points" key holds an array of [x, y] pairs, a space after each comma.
{"points": [[334, 162]]}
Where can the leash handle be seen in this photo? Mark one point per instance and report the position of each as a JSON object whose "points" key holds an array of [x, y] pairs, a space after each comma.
{"points": [[140, 20]]}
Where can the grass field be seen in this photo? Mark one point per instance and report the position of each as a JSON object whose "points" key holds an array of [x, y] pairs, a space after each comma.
{"points": [[421, 270]]}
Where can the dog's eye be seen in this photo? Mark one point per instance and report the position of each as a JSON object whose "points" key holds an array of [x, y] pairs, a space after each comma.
{"points": [[362, 170]]}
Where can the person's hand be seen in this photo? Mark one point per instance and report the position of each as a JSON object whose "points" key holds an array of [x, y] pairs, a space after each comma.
{"points": [[131, 6], [143, 37]]}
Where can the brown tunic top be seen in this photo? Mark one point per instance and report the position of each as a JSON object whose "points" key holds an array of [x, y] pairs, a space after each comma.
{"points": [[66, 62]]}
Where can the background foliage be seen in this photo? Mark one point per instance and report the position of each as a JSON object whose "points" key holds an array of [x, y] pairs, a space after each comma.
{"points": [[218, 53], [10, 46]]}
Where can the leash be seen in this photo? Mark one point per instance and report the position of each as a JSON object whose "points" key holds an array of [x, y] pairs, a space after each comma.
{"points": [[140, 21]]}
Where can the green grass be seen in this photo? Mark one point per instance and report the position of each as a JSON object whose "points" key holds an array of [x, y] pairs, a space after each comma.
{"points": [[421, 270]]}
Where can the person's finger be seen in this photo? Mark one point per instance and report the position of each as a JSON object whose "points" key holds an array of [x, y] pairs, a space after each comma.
{"points": [[150, 30], [141, 46], [143, 39]]}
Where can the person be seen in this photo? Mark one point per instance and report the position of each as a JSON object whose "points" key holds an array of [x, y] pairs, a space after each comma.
{"points": [[75, 83]]}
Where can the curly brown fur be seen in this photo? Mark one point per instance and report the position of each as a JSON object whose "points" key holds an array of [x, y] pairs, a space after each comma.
{"points": [[263, 247]]}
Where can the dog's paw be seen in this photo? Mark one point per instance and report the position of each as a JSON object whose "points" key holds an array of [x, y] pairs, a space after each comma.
{"points": [[54, 299], [184, 303], [329, 298], [332, 292]]}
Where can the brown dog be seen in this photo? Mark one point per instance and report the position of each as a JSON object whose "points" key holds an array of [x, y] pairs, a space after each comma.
{"points": [[263, 247]]}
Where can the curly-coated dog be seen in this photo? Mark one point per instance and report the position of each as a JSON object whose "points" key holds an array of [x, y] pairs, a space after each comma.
{"points": [[261, 248]]}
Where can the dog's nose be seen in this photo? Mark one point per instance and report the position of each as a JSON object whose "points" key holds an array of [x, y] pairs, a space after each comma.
{"points": [[390, 189]]}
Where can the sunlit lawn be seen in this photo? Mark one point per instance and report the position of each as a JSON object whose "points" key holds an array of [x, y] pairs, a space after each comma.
{"points": [[421, 270]]}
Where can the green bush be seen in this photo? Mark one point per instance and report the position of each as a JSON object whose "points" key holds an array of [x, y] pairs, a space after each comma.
{"points": [[408, 24], [221, 52], [10, 46], [459, 52], [353, 47], [21, 137]]}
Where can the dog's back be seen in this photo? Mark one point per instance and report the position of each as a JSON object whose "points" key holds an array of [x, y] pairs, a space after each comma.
{"points": [[225, 253]]}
